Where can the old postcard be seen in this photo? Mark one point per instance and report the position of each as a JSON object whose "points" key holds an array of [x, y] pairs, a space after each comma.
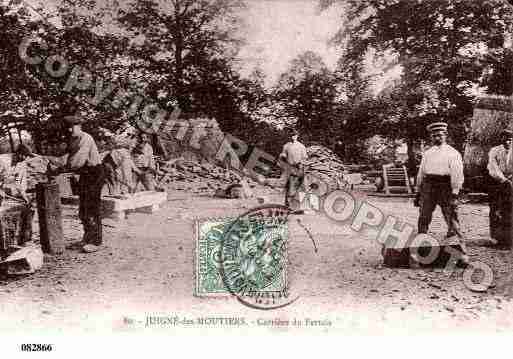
{"points": [[310, 167]]}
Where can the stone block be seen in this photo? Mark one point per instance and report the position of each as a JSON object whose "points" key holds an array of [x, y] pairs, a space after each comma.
{"points": [[115, 206], [402, 257]]}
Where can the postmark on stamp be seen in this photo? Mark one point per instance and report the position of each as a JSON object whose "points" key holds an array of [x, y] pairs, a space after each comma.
{"points": [[244, 256]]}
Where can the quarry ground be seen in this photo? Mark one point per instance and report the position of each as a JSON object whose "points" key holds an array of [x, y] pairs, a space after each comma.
{"points": [[147, 269]]}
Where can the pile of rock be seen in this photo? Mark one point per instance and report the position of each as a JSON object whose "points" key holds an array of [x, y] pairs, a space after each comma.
{"points": [[182, 174], [326, 165], [179, 139]]}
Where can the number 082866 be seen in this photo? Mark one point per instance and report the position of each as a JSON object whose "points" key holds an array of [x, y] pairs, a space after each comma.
{"points": [[36, 347]]}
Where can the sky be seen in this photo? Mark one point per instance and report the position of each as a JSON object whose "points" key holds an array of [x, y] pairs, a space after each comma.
{"points": [[277, 31]]}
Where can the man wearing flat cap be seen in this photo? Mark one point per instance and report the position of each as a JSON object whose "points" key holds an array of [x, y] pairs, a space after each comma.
{"points": [[500, 168], [83, 159], [439, 181]]}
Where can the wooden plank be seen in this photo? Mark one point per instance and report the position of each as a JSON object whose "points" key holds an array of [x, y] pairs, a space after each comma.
{"points": [[385, 178], [115, 206], [137, 200]]}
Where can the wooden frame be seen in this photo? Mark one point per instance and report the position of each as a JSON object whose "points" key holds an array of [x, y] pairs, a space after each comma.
{"points": [[392, 175]]}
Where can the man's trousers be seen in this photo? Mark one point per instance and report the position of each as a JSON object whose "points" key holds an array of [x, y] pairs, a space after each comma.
{"points": [[500, 201], [147, 179], [436, 190], [92, 179], [295, 179]]}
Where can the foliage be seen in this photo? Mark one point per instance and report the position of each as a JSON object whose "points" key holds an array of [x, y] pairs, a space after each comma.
{"points": [[184, 50], [446, 46], [40, 98], [307, 97], [171, 53]]}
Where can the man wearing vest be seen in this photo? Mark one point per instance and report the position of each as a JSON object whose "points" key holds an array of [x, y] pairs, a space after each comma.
{"points": [[439, 181], [500, 168], [83, 159]]}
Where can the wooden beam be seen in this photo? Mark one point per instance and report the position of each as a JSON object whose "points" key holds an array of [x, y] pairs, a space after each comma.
{"points": [[19, 134], [10, 139]]}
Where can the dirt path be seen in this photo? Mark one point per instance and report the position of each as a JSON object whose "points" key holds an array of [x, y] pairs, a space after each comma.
{"points": [[147, 268]]}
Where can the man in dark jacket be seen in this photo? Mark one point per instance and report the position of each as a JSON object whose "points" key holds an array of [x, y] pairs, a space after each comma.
{"points": [[83, 159]]}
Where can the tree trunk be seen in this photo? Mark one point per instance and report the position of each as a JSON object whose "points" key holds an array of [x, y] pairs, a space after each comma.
{"points": [[411, 163], [178, 73], [11, 142]]}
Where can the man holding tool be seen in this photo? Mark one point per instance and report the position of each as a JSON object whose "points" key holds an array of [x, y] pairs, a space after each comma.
{"points": [[83, 159], [119, 168], [500, 168], [439, 181], [294, 154]]}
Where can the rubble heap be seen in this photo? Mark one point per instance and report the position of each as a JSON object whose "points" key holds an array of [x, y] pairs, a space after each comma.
{"points": [[178, 139], [324, 164], [182, 174]]}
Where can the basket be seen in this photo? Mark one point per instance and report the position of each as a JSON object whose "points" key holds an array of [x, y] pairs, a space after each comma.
{"points": [[15, 227]]}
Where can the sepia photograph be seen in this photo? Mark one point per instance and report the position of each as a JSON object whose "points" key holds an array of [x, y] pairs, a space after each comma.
{"points": [[255, 167]]}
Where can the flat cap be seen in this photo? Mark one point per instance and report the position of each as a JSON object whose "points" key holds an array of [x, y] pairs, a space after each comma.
{"points": [[73, 120], [437, 127]]}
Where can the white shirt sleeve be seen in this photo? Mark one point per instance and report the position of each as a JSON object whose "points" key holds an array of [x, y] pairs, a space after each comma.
{"points": [[456, 172], [305, 154], [283, 153], [493, 166], [420, 174]]}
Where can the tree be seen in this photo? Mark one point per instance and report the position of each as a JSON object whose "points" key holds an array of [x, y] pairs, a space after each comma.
{"points": [[182, 41], [36, 95], [360, 112], [444, 44], [307, 95]]}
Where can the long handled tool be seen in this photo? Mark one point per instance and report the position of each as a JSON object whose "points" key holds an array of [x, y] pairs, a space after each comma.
{"points": [[21, 200]]}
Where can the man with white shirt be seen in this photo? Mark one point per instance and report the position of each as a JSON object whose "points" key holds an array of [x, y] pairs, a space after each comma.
{"points": [[439, 181], [500, 168], [294, 154]]}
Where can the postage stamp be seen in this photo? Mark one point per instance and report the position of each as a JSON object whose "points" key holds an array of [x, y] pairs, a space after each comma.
{"points": [[245, 256]]}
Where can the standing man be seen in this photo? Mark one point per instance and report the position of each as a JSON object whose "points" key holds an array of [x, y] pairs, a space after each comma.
{"points": [[83, 159], [439, 182], [145, 163], [119, 168], [500, 168], [294, 154]]}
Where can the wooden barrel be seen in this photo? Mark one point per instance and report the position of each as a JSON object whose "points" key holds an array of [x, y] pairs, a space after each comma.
{"points": [[15, 226]]}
